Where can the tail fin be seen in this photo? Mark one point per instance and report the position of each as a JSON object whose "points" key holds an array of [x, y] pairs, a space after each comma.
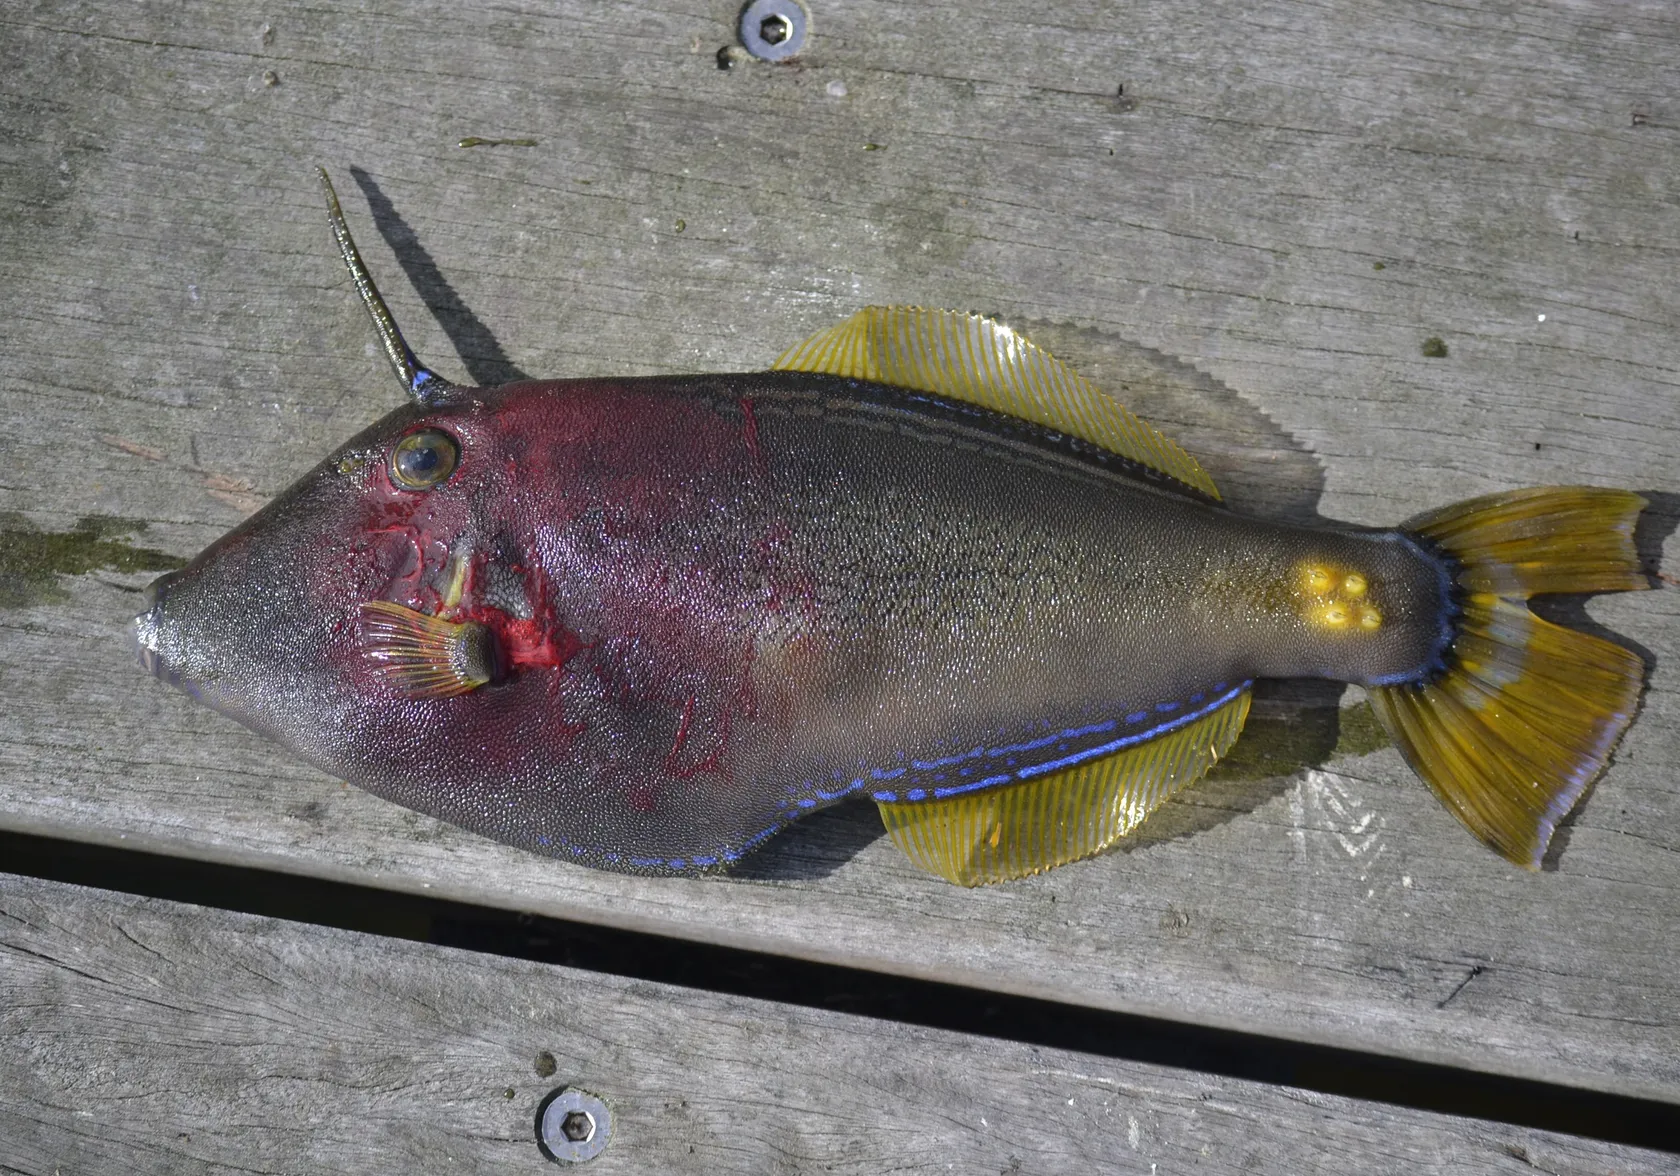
{"points": [[1527, 712]]}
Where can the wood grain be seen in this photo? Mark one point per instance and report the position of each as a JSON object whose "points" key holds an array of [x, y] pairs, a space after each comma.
{"points": [[1288, 198], [146, 1036]]}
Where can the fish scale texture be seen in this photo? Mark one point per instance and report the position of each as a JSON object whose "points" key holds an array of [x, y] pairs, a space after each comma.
{"points": [[746, 597]]}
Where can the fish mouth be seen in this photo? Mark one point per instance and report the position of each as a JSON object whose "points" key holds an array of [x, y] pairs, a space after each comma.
{"points": [[147, 627]]}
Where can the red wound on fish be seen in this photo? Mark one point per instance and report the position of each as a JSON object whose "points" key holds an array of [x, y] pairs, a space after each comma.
{"points": [[531, 645]]}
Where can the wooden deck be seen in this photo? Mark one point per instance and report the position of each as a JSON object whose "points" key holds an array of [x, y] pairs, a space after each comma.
{"points": [[1250, 215], [146, 1036]]}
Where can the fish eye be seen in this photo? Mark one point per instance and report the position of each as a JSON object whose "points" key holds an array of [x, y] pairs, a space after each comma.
{"points": [[424, 459]]}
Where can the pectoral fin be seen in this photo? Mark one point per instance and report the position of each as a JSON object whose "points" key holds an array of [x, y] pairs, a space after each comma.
{"points": [[1022, 829], [425, 656]]}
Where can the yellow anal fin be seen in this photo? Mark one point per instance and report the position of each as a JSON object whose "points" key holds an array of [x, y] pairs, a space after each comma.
{"points": [[980, 361], [425, 656], [1520, 724], [1022, 829]]}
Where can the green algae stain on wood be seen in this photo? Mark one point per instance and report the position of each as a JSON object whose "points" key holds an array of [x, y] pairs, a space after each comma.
{"points": [[33, 562], [1358, 732]]}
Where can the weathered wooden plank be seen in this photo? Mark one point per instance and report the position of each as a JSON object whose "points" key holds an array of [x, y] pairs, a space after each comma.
{"points": [[146, 1036], [1291, 198]]}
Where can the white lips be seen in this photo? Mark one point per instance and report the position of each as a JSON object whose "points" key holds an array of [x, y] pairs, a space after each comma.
{"points": [[147, 638]]}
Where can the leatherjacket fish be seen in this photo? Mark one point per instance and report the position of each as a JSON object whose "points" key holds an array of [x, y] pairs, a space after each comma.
{"points": [[644, 624]]}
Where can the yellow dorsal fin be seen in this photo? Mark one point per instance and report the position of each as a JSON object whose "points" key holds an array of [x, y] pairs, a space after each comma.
{"points": [[980, 361], [1023, 829]]}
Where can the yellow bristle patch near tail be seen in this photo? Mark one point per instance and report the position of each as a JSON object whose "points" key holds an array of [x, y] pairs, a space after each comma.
{"points": [[1526, 713], [1023, 829]]}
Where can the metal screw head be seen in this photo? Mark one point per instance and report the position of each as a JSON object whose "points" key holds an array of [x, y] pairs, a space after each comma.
{"points": [[773, 30], [578, 1126], [573, 1126]]}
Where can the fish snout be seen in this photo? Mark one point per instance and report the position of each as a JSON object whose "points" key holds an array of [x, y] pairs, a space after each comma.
{"points": [[147, 626]]}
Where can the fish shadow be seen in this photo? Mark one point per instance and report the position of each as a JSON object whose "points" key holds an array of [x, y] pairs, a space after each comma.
{"points": [[486, 363], [1261, 469], [816, 846]]}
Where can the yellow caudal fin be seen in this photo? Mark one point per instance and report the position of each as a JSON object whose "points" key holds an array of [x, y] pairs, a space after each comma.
{"points": [[982, 362], [1549, 539], [1527, 712], [1022, 829]]}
